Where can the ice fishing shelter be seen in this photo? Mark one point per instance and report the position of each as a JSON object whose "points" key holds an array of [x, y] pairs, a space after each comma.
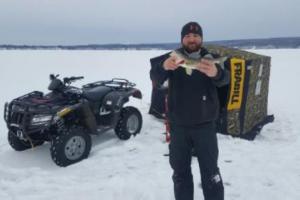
{"points": [[244, 102]]}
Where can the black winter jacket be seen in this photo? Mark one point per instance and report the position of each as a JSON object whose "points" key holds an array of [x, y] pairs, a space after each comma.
{"points": [[192, 99]]}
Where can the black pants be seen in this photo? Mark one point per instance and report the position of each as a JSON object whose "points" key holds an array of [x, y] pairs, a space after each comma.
{"points": [[203, 140]]}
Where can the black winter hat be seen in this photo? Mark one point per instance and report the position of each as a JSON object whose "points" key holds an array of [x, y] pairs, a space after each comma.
{"points": [[191, 27]]}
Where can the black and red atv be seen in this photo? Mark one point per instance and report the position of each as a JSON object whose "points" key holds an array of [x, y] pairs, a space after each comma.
{"points": [[68, 115]]}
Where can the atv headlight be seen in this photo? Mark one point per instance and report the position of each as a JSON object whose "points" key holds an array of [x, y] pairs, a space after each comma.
{"points": [[41, 119]]}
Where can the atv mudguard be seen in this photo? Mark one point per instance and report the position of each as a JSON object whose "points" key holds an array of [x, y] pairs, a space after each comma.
{"points": [[115, 100], [84, 113]]}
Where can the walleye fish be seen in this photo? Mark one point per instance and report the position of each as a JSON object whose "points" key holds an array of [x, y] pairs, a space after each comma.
{"points": [[190, 63]]}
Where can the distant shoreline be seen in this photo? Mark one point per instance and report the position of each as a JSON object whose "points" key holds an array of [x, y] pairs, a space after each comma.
{"points": [[269, 43]]}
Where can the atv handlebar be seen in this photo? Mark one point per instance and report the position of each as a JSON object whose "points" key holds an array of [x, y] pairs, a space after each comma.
{"points": [[72, 79], [57, 84]]}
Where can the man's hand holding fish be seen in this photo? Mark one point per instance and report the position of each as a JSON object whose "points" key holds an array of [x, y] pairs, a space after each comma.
{"points": [[207, 67], [171, 63]]}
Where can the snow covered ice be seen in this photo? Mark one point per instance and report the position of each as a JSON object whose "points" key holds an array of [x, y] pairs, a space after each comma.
{"points": [[267, 168]]}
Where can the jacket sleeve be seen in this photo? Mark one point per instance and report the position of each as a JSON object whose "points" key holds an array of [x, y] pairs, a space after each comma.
{"points": [[158, 74], [222, 78]]}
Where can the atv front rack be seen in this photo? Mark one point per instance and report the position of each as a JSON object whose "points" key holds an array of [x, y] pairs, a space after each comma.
{"points": [[117, 83], [19, 102], [19, 112], [29, 95]]}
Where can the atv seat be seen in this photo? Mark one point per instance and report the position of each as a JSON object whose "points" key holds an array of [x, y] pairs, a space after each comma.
{"points": [[96, 93]]}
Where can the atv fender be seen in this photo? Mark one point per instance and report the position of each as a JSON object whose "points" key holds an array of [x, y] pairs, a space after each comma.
{"points": [[115, 100], [84, 113], [135, 93]]}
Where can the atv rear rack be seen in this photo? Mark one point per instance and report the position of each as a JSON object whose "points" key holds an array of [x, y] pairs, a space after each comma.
{"points": [[117, 83]]}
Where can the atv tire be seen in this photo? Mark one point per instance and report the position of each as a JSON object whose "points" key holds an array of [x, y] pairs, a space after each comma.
{"points": [[72, 146], [19, 144], [130, 123]]}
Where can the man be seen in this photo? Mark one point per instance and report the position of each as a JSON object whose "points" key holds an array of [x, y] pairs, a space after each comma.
{"points": [[193, 108]]}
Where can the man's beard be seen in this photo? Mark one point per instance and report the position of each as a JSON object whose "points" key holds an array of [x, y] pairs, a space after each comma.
{"points": [[192, 47]]}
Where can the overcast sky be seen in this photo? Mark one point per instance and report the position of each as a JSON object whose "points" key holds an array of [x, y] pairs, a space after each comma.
{"points": [[69, 22]]}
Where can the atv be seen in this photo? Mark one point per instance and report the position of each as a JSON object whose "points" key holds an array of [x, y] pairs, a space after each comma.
{"points": [[68, 116]]}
